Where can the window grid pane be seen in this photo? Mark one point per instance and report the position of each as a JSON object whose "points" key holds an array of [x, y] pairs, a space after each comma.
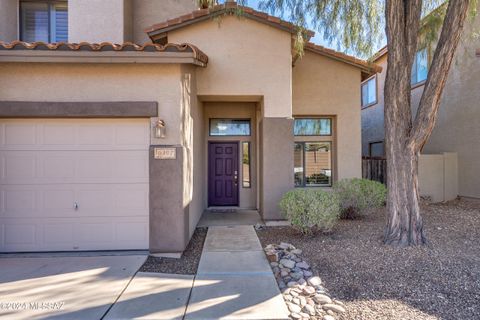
{"points": [[312, 164], [369, 92], [45, 21], [246, 164], [60, 23], [35, 21], [313, 127], [298, 164], [318, 171], [229, 127]]}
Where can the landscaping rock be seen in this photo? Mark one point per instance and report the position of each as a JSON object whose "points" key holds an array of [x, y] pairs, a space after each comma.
{"points": [[309, 309], [333, 307], [314, 281], [308, 290], [287, 263], [294, 307], [322, 299], [302, 265], [303, 293]]}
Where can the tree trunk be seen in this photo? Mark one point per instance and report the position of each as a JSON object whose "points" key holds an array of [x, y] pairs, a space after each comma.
{"points": [[405, 138]]}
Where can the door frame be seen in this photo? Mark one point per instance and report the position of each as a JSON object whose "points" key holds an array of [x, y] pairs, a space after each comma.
{"points": [[237, 143]]}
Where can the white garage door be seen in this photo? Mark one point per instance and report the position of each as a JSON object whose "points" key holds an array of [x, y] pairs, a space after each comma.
{"points": [[73, 184]]}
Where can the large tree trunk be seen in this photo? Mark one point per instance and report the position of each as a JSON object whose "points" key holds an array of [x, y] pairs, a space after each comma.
{"points": [[404, 137]]}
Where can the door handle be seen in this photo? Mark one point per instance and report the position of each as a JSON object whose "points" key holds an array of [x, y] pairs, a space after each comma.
{"points": [[235, 177]]}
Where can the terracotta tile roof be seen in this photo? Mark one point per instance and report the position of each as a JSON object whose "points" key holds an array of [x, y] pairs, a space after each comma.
{"points": [[227, 8], [369, 67], [105, 47]]}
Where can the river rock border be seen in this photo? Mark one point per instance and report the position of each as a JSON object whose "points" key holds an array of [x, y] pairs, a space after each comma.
{"points": [[303, 292]]}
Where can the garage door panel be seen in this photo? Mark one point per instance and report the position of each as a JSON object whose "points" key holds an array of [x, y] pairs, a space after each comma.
{"points": [[18, 201], [20, 166], [74, 134], [56, 134], [20, 134], [46, 166], [20, 234], [67, 234], [58, 235]]}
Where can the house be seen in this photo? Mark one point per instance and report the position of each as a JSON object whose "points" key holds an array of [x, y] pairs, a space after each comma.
{"points": [[456, 129], [109, 146]]}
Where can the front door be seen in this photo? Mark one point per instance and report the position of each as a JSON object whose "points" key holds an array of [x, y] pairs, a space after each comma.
{"points": [[223, 173]]}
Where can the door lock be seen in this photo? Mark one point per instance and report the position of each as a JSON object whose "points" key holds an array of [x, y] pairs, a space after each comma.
{"points": [[75, 206]]}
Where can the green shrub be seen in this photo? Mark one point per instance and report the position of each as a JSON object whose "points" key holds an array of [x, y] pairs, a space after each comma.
{"points": [[359, 196], [311, 210]]}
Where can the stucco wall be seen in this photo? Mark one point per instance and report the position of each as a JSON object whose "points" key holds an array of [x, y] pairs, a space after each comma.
{"points": [[97, 21], [373, 116], [456, 128], [322, 86], [97, 82], [9, 20], [250, 61], [245, 58], [149, 12], [438, 176], [191, 132]]}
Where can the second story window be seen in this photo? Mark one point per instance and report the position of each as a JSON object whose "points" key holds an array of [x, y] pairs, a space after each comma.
{"points": [[45, 21], [420, 67], [369, 91]]}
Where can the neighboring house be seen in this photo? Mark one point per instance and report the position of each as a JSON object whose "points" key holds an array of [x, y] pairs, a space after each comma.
{"points": [[457, 127], [107, 146]]}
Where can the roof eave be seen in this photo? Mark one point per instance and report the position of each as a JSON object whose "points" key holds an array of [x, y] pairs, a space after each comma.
{"points": [[47, 56], [369, 68]]}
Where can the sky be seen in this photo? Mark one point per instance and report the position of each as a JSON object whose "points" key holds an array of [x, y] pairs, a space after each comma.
{"points": [[317, 39]]}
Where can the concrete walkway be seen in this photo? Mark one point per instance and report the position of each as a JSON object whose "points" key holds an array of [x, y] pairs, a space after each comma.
{"points": [[234, 279]]}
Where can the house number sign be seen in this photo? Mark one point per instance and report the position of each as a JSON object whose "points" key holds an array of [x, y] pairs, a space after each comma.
{"points": [[165, 153]]}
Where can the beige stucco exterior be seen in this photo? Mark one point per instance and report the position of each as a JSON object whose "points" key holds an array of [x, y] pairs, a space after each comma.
{"points": [[249, 75], [330, 88], [456, 129], [148, 12], [107, 21], [247, 58]]}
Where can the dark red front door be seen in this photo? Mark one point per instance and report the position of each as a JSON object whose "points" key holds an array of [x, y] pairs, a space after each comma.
{"points": [[223, 174]]}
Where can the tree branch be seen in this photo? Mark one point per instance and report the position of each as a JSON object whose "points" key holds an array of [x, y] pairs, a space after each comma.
{"points": [[438, 73]]}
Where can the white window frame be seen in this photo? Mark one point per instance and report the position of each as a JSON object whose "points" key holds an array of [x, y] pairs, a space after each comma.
{"points": [[365, 82]]}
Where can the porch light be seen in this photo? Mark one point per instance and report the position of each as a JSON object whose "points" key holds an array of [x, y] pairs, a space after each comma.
{"points": [[159, 130]]}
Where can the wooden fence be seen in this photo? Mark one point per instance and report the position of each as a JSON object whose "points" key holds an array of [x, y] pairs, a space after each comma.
{"points": [[374, 168]]}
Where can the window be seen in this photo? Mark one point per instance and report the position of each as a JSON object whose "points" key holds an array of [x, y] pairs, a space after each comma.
{"points": [[313, 127], [376, 149], [229, 127], [45, 21], [246, 164], [313, 164], [369, 91], [420, 67]]}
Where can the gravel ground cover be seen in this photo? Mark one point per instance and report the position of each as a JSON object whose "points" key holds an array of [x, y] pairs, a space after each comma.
{"points": [[438, 281], [187, 264]]}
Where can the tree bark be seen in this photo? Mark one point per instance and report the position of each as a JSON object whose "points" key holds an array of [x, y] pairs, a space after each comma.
{"points": [[405, 138]]}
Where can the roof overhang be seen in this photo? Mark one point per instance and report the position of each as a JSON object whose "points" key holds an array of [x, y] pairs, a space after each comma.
{"points": [[367, 67], [101, 53], [160, 30]]}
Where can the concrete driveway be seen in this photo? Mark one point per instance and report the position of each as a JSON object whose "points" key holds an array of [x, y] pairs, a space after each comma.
{"points": [[63, 287]]}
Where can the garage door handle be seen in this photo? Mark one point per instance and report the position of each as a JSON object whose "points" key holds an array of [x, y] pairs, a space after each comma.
{"points": [[75, 206]]}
